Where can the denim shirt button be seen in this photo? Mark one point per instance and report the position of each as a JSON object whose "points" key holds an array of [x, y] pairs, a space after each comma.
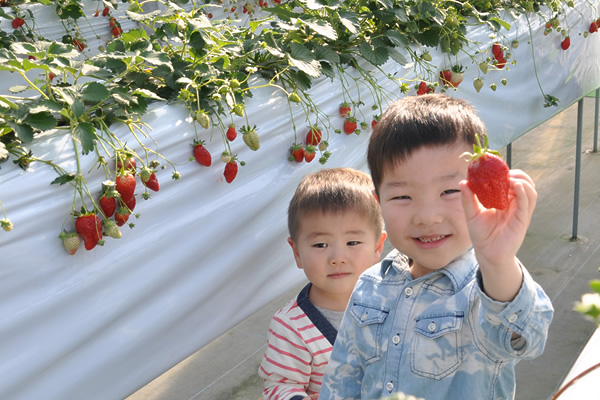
{"points": [[432, 326], [396, 339], [389, 386], [364, 317], [408, 291], [512, 318]]}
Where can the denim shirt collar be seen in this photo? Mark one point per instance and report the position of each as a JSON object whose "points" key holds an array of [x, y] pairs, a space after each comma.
{"points": [[459, 272]]}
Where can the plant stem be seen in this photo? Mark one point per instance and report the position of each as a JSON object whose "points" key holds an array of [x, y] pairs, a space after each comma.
{"points": [[575, 379]]}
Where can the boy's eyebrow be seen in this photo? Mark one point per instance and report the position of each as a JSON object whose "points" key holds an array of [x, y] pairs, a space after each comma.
{"points": [[449, 177], [352, 232]]}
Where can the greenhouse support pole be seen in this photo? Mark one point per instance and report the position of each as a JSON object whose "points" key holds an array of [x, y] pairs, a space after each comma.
{"points": [[596, 121], [577, 168], [509, 155]]}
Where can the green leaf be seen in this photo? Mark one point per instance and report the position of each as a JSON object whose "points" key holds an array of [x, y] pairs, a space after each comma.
{"points": [[397, 38], [8, 102], [501, 22], [325, 53], [147, 93], [57, 48], [301, 58], [95, 92], [85, 133], [76, 105], [18, 88], [122, 96], [327, 70], [23, 131], [41, 120], [595, 285], [397, 56], [322, 28], [65, 178], [156, 58], [272, 46], [429, 38], [375, 56], [350, 22]]}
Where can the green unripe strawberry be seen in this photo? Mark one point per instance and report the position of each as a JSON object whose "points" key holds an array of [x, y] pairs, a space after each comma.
{"points": [[250, 137], [203, 119], [238, 110], [6, 224], [426, 56], [234, 83], [111, 229], [478, 84], [484, 67], [293, 97], [71, 241]]}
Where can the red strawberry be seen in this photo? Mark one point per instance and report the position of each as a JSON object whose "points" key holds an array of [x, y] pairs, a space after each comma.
{"points": [[593, 27], [130, 203], [231, 133], [71, 241], [309, 153], [130, 164], [314, 135], [446, 76], [350, 125], [125, 185], [497, 50], [108, 205], [565, 43], [78, 45], [201, 154], [500, 62], [231, 170], [297, 153], [105, 11], [51, 76], [488, 176], [18, 22], [89, 228], [121, 216], [424, 89], [152, 183], [375, 121], [116, 31], [345, 109]]}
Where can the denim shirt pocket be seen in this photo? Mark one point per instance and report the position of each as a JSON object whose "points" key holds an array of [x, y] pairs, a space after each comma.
{"points": [[369, 320], [437, 345]]}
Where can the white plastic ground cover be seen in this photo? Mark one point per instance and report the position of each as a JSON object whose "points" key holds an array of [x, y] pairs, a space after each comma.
{"points": [[586, 387], [204, 254]]}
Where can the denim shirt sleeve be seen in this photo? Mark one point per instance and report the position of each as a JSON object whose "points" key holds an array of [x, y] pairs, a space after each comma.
{"points": [[529, 315], [344, 373]]}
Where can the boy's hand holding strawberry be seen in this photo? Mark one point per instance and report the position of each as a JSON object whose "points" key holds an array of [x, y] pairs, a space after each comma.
{"points": [[497, 234]]}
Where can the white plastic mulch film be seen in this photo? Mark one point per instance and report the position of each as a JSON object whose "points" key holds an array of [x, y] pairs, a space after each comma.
{"points": [[204, 254]]}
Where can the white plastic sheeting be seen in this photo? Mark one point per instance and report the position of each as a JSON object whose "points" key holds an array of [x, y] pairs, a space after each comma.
{"points": [[204, 254]]}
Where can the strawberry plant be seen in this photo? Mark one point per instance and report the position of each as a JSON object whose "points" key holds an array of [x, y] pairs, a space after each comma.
{"points": [[198, 54]]}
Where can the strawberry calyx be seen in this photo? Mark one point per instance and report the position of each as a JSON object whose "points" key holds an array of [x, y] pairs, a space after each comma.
{"points": [[479, 150]]}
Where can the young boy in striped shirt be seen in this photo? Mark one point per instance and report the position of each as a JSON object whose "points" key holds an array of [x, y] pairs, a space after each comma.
{"points": [[336, 233]]}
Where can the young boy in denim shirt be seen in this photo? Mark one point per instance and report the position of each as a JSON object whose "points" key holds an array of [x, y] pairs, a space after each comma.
{"points": [[450, 312], [336, 233]]}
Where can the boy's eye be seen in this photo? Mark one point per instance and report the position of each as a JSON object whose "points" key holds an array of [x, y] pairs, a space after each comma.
{"points": [[353, 243], [401, 198], [450, 191], [320, 245]]}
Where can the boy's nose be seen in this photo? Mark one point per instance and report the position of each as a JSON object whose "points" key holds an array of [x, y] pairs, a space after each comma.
{"points": [[428, 215], [337, 256]]}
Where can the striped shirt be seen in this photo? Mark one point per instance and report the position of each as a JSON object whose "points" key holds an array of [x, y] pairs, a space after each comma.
{"points": [[299, 343]]}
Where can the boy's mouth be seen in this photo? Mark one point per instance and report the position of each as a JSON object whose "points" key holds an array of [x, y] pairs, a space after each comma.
{"points": [[430, 239]]}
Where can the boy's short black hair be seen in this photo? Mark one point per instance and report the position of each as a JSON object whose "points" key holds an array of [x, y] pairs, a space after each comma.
{"points": [[420, 121], [334, 190]]}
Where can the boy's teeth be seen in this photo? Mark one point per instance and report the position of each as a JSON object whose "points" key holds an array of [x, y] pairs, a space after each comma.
{"points": [[431, 239]]}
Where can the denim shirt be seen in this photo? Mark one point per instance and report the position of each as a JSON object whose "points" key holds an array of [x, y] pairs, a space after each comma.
{"points": [[436, 337]]}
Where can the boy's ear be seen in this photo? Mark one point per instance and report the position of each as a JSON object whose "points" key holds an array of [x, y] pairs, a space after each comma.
{"points": [[379, 246], [295, 251]]}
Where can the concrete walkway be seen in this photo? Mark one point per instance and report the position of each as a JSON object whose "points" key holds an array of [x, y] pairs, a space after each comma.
{"points": [[226, 368]]}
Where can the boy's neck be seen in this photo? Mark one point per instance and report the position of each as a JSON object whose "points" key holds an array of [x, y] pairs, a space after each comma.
{"points": [[327, 300]]}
